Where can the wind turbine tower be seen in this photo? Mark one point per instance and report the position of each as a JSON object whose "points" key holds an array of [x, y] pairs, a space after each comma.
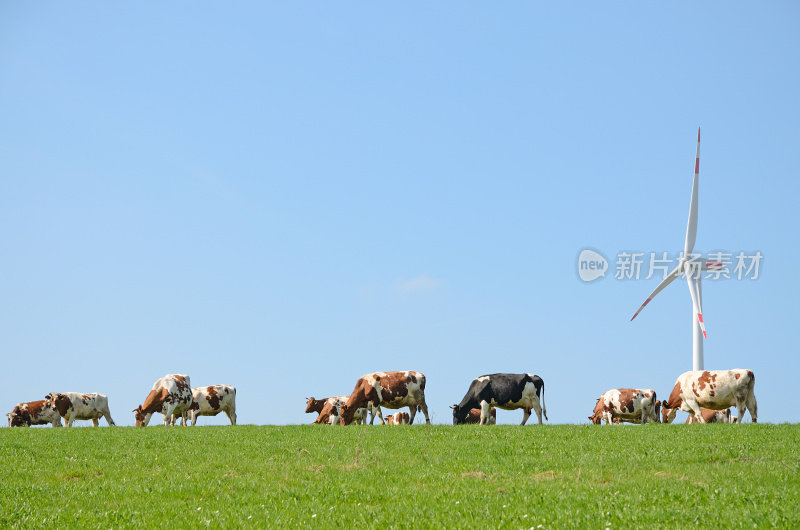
{"points": [[692, 267]]}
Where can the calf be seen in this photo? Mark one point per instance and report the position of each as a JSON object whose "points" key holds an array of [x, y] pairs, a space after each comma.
{"points": [[398, 418], [713, 416], [172, 394], [474, 416], [210, 401], [633, 405], [712, 389], [505, 391], [76, 406], [387, 389], [330, 412], [30, 413]]}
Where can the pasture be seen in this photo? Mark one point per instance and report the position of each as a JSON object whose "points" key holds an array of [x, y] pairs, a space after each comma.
{"points": [[556, 476]]}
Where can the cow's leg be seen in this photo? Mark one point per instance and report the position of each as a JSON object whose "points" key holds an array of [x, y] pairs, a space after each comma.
{"points": [[231, 415], [424, 408], [485, 407], [526, 413], [69, 419], [537, 408], [752, 406], [608, 417], [379, 414], [107, 415], [412, 411], [95, 422], [694, 409]]}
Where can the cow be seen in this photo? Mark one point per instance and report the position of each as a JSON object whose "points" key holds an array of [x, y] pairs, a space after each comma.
{"points": [[172, 394], [505, 391], [210, 401], [392, 390], [712, 389], [634, 405], [474, 416], [713, 416], [77, 406], [39, 412], [398, 418], [329, 414]]}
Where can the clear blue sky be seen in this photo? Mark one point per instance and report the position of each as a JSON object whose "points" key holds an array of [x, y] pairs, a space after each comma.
{"points": [[284, 197]]}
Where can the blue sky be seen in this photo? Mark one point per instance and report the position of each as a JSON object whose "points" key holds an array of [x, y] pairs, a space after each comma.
{"points": [[284, 197]]}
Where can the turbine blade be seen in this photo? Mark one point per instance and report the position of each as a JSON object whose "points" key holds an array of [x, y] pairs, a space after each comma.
{"points": [[694, 278], [666, 281], [691, 227]]}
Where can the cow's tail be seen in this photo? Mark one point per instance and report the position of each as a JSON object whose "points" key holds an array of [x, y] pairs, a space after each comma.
{"points": [[544, 407]]}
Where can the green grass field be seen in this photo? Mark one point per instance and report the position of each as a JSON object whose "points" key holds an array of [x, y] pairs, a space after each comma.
{"points": [[672, 476]]}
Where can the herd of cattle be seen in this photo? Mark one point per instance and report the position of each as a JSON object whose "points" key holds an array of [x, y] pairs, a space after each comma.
{"points": [[706, 395]]}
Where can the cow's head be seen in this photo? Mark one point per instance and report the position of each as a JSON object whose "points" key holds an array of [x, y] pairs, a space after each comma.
{"points": [[314, 405], [140, 416], [19, 418], [596, 418], [459, 414], [346, 413], [59, 401], [667, 414]]}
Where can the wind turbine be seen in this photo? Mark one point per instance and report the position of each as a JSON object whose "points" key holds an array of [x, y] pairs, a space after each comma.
{"points": [[692, 267]]}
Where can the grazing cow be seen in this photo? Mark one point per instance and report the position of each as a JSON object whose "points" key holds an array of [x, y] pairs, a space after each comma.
{"points": [[77, 406], [713, 416], [505, 391], [172, 394], [398, 418], [392, 390], [633, 405], [712, 389], [30, 413], [329, 414], [210, 401], [474, 416]]}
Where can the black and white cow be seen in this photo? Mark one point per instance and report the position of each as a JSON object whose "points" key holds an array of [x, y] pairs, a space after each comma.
{"points": [[504, 391]]}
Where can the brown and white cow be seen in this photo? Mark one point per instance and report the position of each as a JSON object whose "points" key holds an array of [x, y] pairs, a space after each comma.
{"points": [[392, 390], [39, 412], [398, 418], [712, 389], [210, 401], [634, 405], [78, 406], [713, 416], [172, 394], [330, 411], [474, 416]]}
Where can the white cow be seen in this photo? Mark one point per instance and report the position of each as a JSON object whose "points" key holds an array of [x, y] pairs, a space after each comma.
{"points": [[210, 401], [712, 389], [78, 406], [172, 394], [634, 405]]}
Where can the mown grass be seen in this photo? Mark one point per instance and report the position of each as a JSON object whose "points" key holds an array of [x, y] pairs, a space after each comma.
{"points": [[651, 476]]}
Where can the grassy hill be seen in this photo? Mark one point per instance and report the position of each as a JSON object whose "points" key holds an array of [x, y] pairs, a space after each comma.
{"points": [[502, 476]]}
